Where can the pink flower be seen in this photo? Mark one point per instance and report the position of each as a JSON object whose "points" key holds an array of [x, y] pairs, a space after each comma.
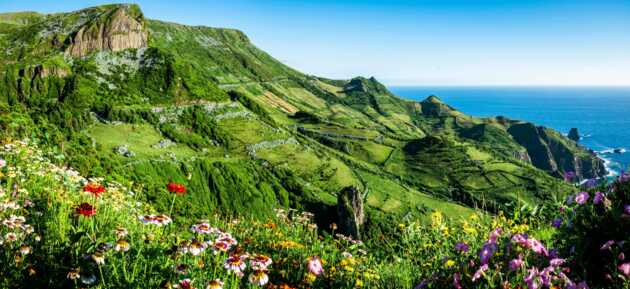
{"points": [[494, 235], [599, 196], [480, 272], [581, 198], [625, 268], [314, 265], [457, 278], [556, 262], [515, 264], [532, 278], [537, 247], [607, 245]]}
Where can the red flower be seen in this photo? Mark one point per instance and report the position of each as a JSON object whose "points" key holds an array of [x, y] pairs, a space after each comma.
{"points": [[85, 209], [176, 188], [94, 189]]}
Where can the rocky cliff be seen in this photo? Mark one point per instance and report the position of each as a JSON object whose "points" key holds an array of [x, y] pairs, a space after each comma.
{"points": [[114, 30], [556, 154]]}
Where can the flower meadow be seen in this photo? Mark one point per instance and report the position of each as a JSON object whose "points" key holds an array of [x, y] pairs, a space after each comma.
{"points": [[62, 230]]}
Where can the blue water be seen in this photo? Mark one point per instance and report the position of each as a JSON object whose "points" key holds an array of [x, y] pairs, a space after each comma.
{"points": [[601, 114]]}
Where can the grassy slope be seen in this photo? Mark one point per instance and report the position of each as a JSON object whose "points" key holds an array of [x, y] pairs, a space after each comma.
{"points": [[356, 132]]}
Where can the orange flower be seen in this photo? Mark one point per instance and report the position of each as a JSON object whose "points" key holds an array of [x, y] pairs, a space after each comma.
{"points": [[94, 189]]}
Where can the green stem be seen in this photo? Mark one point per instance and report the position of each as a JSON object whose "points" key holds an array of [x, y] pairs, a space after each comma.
{"points": [[100, 269]]}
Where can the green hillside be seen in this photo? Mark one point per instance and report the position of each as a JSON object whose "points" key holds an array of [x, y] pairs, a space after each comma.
{"points": [[144, 100]]}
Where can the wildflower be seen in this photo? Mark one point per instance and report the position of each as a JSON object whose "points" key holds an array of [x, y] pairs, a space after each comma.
{"points": [[88, 279], [557, 222], [121, 232], [176, 188], [480, 272], [314, 266], [457, 278], [85, 209], [74, 274], [494, 235], [449, 263], [184, 284], [94, 188], [537, 247], [234, 263], [626, 209], [10, 237], [195, 247], [625, 268], [259, 277], [98, 258], [158, 220], [607, 245], [181, 269], [215, 284], [621, 256], [531, 280], [25, 249], [3, 163], [122, 246], [204, 228], [486, 252], [436, 218], [227, 238], [515, 264], [556, 262], [346, 254], [599, 196], [462, 247], [219, 246], [581, 198], [260, 262]]}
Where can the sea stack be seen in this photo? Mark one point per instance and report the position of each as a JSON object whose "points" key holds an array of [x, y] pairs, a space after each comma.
{"points": [[574, 134]]}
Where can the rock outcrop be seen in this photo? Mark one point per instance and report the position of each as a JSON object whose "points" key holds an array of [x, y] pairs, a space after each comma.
{"points": [[350, 213], [574, 135], [117, 29], [550, 151]]}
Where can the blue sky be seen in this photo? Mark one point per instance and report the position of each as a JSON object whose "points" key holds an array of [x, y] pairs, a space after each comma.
{"points": [[419, 42]]}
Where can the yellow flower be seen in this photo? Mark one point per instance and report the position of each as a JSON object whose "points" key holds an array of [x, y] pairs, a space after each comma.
{"points": [[436, 219], [449, 264]]}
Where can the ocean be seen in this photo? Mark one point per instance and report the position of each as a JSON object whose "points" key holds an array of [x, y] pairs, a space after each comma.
{"points": [[601, 114]]}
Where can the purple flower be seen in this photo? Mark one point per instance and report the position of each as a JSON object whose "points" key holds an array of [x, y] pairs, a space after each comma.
{"points": [[520, 239], [545, 276], [599, 196], [590, 183], [607, 245], [479, 272], [626, 209], [515, 264], [581, 198], [532, 278], [570, 199], [486, 252], [568, 176], [582, 285], [557, 222], [556, 262], [462, 247]]}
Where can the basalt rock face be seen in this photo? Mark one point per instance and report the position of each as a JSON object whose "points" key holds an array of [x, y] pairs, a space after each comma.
{"points": [[549, 151], [114, 30], [350, 214]]}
